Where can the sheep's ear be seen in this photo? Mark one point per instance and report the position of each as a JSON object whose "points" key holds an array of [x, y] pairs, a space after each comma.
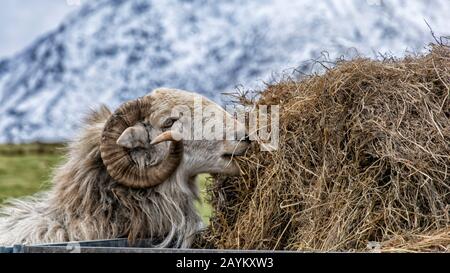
{"points": [[133, 137]]}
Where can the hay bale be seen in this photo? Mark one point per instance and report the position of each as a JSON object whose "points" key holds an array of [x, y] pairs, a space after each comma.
{"points": [[364, 157]]}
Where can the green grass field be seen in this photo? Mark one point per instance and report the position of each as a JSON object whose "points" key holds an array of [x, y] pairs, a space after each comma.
{"points": [[26, 169], [25, 174], [203, 206]]}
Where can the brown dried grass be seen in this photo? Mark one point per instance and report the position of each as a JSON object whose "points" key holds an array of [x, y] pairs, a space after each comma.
{"points": [[364, 157]]}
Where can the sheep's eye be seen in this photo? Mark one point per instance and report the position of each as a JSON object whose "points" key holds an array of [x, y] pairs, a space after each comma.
{"points": [[169, 122]]}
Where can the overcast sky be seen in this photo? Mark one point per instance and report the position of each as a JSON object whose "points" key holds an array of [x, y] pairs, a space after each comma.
{"points": [[22, 21]]}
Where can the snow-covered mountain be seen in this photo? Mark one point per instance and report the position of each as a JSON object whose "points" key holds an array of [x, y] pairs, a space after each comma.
{"points": [[114, 50]]}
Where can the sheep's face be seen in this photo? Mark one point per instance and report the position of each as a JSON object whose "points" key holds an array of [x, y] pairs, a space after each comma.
{"points": [[213, 155], [189, 116]]}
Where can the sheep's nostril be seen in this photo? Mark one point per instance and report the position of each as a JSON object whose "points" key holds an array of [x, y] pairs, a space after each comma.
{"points": [[247, 139]]}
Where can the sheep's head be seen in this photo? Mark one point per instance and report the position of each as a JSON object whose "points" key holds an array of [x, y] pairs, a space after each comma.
{"points": [[142, 144]]}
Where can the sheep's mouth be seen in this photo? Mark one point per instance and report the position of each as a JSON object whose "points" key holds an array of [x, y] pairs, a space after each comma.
{"points": [[236, 151], [231, 155]]}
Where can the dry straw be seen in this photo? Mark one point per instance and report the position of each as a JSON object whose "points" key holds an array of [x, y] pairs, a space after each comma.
{"points": [[363, 163]]}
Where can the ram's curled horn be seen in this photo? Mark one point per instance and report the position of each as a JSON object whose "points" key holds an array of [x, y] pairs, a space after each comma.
{"points": [[116, 158]]}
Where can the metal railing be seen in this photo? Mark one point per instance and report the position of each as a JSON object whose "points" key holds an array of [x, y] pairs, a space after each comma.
{"points": [[111, 246]]}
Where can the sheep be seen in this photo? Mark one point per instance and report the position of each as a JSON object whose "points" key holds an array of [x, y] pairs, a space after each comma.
{"points": [[129, 174]]}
